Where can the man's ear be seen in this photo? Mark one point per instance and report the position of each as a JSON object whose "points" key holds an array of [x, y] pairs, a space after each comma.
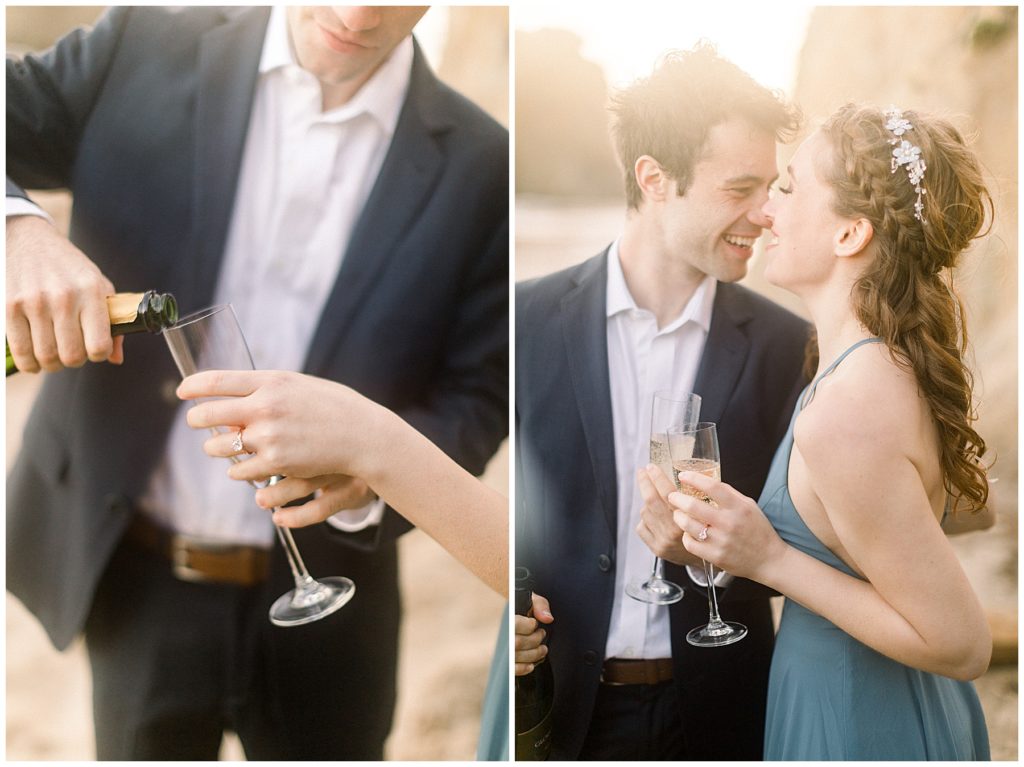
{"points": [[853, 237], [651, 178]]}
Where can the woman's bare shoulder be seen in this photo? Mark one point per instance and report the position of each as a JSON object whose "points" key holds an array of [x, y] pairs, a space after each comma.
{"points": [[869, 403]]}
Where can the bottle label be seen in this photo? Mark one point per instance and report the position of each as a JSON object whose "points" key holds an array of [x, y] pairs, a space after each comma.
{"points": [[535, 744]]}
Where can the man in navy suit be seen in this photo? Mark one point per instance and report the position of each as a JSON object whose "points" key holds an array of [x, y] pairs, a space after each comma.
{"points": [[656, 310], [305, 165]]}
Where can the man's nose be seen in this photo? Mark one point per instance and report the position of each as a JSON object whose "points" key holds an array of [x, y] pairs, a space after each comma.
{"points": [[762, 216], [358, 18]]}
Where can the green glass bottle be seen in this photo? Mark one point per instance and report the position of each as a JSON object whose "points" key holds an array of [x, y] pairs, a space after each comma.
{"points": [[534, 691], [148, 312]]}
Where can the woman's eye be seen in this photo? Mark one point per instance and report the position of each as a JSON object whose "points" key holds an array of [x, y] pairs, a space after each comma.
{"points": [[785, 189]]}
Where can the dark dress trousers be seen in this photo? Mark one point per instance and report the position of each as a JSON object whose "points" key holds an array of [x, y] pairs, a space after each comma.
{"points": [[566, 497], [144, 118]]}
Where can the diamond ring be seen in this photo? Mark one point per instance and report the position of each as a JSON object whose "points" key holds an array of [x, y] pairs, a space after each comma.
{"points": [[237, 445], [702, 537]]}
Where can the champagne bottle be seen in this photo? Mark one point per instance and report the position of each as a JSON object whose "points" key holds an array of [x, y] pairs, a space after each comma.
{"points": [[148, 312], [534, 691]]}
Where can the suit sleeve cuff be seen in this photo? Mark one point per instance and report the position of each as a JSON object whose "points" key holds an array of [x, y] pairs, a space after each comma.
{"points": [[19, 206], [354, 520]]}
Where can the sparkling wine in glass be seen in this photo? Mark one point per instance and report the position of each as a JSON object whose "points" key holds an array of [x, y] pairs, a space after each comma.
{"points": [[697, 450], [211, 339], [669, 410]]}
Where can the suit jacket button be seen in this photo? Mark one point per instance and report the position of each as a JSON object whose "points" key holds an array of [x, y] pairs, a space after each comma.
{"points": [[590, 658], [604, 563], [119, 504]]}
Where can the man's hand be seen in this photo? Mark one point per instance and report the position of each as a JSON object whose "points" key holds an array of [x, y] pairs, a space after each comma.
{"points": [[56, 301], [530, 648], [657, 528]]}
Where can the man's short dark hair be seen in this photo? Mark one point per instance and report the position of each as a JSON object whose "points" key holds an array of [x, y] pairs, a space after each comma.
{"points": [[668, 115]]}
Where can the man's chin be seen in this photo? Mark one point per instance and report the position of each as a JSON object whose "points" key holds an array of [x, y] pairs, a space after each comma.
{"points": [[733, 274]]}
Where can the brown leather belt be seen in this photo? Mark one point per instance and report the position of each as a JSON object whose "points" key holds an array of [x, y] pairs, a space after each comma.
{"points": [[648, 671], [202, 560]]}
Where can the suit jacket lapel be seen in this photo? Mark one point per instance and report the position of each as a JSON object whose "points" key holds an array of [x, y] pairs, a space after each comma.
{"points": [[586, 344], [228, 69], [725, 353], [410, 170]]}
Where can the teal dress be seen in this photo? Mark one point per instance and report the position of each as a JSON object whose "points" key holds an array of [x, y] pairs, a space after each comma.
{"points": [[831, 697], [493, 743]]}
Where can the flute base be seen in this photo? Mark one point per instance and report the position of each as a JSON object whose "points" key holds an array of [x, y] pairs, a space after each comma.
{"points": [[656, 591], [311, 602], [717, 635]]}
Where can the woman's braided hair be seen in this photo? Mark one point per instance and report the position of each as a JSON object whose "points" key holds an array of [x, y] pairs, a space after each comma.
{"points": [[906, 297]]}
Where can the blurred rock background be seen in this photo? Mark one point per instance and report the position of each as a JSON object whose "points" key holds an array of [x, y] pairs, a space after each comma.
{"points": [[961, 61], [450, 619]]}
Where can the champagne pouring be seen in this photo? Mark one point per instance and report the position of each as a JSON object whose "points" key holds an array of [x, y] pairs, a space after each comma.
{"points": [[211, 339]]}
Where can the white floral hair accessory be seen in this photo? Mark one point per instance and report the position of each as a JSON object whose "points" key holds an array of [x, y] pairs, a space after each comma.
{"points": [[905, 153]]}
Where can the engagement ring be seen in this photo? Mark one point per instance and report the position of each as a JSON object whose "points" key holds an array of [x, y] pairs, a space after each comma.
{"points": [[237, 445], [702, 537]]}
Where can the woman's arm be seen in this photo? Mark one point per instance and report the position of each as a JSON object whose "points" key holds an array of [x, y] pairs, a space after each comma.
{"points": [[954, 641], [308, 429], [916, 606]]}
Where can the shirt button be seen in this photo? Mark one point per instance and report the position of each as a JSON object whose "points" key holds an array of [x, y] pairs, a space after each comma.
{"points": [[590, 658], [604, 563]]}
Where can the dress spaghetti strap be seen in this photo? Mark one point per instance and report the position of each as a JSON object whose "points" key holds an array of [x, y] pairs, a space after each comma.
{"points": [[810, 393]]}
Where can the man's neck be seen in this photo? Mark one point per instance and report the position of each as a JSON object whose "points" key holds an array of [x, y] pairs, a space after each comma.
{"points": [[660, 283], [334, 95]]}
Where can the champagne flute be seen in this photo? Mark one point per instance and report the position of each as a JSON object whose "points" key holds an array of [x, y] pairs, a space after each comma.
{"points": [[697, 450], [669, 410], [211, 339]]}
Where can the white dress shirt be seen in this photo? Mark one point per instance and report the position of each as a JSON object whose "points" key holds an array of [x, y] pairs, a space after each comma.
{"points": [[643, 359], [305, 177]]}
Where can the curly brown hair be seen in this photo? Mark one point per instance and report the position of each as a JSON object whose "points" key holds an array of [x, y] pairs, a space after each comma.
{"points": [[906, 296], [669, 114]]}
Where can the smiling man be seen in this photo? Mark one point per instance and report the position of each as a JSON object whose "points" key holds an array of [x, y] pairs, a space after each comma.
{"points": [[305, 165], [657, 310]]}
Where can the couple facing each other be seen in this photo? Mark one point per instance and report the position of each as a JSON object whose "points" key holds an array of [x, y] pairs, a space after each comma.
{"points": [[881, 630]]}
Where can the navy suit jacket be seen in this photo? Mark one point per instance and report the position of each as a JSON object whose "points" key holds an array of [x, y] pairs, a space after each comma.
{"points": [[566, 496], [144, 119]]}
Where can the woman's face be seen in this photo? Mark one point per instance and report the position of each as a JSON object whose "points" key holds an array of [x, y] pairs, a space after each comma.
{"points": [[801, 253]]}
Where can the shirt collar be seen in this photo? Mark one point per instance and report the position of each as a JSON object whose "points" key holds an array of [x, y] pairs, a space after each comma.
{"points": [[618, 298], [382, 96]]}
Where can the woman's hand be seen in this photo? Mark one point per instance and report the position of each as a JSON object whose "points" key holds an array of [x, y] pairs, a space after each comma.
{"points": [[657, 528], [331, 494], [291, 424], [739, 538], [530, 647]]}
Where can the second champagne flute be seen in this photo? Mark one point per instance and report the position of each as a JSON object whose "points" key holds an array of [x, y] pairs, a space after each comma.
{"points": [[697, 450], [669, 410], [211, 339]]}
